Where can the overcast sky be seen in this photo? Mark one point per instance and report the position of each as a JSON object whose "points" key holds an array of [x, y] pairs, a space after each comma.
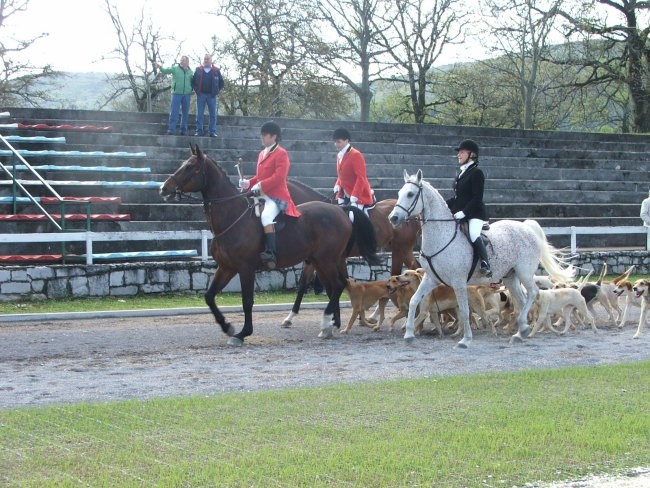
{"points": [[81, 35]]}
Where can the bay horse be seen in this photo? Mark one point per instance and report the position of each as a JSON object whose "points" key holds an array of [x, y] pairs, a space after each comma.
{"points": [[322, 235], [515, 250], [399, 241]]}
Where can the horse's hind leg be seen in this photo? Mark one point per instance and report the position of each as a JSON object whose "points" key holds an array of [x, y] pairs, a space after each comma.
{"points": [[513, 283], [306, 276], [220, 279]]}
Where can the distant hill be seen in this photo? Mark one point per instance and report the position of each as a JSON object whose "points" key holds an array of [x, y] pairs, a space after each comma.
{"points": [[79, 91]]}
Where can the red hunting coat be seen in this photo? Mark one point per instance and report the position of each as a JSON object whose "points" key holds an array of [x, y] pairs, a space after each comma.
{"points": [[352, 177], [272, 173]]}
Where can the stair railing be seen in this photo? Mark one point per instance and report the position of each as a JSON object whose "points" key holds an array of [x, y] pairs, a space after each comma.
{"points": [[17, 185]]}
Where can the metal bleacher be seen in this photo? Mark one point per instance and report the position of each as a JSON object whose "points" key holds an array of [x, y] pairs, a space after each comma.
{"points": [[29, 191]]}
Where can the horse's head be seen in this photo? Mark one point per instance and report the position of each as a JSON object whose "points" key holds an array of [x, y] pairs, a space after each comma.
{"points": [[189, 177], [409, 201]]}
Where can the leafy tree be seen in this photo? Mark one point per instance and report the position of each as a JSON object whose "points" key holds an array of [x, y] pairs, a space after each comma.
{"points": [[20, 78], [414, 33], [609, 46], [352, 58], [138, 47]]}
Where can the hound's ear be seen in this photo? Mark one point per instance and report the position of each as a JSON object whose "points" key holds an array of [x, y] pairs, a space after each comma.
{"points": [[418, 175], [406, 176], [192, 149]]}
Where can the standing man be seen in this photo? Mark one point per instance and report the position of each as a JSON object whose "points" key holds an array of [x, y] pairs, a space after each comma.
{"points": [[181, 94], [207, 82], [352, 182]]}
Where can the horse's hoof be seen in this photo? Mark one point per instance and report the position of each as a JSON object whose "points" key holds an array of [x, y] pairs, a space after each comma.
{"points": [[516, 338], [325, 334], [286, 324], [525, 333], [235, 342], [463, 344], [409, 340]]}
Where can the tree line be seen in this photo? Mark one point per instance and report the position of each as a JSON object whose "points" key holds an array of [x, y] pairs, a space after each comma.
{"points": [[550, 64]]}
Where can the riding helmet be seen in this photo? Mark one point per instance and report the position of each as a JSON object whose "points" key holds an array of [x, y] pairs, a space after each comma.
{"points": [[341, 133], [271, 128], [468, 145]]}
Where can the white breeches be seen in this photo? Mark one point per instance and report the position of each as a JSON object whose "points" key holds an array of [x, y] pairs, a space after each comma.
{"points": [[475, 227], [270, 212]]}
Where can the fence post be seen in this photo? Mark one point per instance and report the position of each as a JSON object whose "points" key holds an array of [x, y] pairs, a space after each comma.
{"points": [[647, 240], [205, 235], [573, 239], [89, 248]]}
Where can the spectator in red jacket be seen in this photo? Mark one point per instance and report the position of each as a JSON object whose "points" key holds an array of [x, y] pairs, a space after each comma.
{"points": [[270, 182], [352, 186]]}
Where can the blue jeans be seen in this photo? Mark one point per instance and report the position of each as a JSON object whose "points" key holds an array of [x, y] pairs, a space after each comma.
{"points": [[179, 103], [203, 99]]}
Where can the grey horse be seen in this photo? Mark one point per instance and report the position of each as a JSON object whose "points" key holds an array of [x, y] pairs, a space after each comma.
{"points": [[515, 250]]}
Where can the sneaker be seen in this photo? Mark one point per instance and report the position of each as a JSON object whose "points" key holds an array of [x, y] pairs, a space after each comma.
{"points": [[198, 134], [213, 134], [183, 132], [170, 133]]}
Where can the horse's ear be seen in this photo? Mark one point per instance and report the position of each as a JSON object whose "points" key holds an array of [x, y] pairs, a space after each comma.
{"points": [[418, 175], [406, 176], [192, 149], [198, 153]]}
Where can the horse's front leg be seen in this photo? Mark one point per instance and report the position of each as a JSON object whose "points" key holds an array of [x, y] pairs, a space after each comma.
{"points": [[247, 281], [332, 313], [463, 315], [426, 285], [219, 281]]}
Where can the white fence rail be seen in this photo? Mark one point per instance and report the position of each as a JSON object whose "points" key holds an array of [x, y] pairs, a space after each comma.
{"points": [[205, 235]]}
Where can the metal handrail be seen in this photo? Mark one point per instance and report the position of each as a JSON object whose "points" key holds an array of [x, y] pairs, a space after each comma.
{"points": [[53, 192]]}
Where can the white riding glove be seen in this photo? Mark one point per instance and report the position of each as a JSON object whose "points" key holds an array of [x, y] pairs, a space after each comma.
{"points": [[459, 215], [337, 188], [244, 184], [355, 201], [340, 201], [257, 187]]}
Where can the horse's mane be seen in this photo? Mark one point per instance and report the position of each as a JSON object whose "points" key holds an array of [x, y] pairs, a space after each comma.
{"points": [[220, 169]]}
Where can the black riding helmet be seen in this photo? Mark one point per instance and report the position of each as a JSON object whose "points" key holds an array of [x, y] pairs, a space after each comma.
{"points": [[468, 145], [341, 133], [271, 128]]}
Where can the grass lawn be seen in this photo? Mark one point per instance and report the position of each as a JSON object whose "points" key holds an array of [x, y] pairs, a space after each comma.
{"points": [[488, 430]]}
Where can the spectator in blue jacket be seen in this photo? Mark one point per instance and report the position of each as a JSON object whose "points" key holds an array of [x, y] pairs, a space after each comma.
{"points": [[181, 93], [207, 82]]}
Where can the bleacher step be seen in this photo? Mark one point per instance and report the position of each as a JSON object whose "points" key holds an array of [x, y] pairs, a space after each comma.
{"points": [[79, 216]]}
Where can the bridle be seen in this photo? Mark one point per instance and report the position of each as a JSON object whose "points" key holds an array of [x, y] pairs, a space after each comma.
{"points": [[424, 221], [208, 202]]}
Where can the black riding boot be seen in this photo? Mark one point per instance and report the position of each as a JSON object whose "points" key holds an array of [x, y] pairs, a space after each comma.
{"points": [[479, 248], [268, 255]]}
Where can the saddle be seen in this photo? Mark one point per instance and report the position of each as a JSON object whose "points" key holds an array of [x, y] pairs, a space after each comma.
{"points": [[280, 220]]}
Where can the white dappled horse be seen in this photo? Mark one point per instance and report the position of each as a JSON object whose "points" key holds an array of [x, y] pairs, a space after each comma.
{"points": [[515, 250]]}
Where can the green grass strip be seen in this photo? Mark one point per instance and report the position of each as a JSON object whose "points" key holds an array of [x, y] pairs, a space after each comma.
{"points": [[489, 430]]}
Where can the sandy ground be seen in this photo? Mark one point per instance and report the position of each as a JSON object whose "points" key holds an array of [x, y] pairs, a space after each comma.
{"points": [[101, 360]]}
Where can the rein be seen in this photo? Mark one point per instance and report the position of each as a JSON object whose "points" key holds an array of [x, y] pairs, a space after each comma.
{"points": [[424, 221]]}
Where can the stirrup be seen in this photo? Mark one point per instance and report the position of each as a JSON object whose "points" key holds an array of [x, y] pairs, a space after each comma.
{"points": [[268, 258]]}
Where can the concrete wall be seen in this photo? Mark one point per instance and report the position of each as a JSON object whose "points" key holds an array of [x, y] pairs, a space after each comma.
{"points": [[62, 281]]}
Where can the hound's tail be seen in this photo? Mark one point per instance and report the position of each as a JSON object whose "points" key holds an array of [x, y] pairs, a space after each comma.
{"points": [[552, 259]]}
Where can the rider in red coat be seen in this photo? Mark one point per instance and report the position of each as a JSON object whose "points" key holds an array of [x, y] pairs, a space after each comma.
{"points": [[352, 182], [271, 183]]}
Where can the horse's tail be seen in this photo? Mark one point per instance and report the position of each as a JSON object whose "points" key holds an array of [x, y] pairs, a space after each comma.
{"points": [[363, 235], [552, 259]]}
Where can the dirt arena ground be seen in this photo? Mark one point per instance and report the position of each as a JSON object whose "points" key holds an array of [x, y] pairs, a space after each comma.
{"points": [[107, 359]]}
